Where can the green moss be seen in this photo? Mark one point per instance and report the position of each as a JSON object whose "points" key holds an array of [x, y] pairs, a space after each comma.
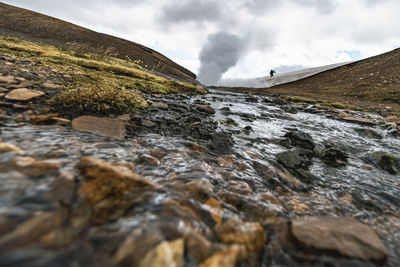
{"points": [[102, 101], [301, 99], [101, 84]]}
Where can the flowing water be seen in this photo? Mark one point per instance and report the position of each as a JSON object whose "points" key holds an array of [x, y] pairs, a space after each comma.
{"points": [[357, 189]]}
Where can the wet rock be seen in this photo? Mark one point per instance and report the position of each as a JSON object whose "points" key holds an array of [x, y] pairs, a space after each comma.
{"points": [[250, 234], [251, 99], [101, 180], [344, 235], [334, 157], [301, 139], [31, 167], [205, 108], [362, 121], [247, 130], [159, 105], [201, 188], [221, 143], [239, 187], [393, 119], [7, 79], [23, 94], [149, 160], [389, 163], [108, 127], [215, 209], [226, 258], [148, 123], [198, 247], [368, 133], [31, 231], [165, 254], [247, 116], [6, 147], [290, 159], [385, 161]]}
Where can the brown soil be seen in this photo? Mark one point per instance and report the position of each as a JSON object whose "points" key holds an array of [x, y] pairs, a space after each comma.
{"points": [[41, 28]]}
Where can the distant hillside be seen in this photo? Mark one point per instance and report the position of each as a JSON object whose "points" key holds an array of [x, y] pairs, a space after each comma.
{"points": [[279, 78], [375, 79], [41, 28]]}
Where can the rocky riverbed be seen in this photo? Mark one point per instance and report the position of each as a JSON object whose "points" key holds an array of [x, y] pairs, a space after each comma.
{"points": [[223, 179]]}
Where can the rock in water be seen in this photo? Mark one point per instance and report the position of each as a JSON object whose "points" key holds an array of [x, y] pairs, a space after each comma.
{"points": [[334, 157], [165, 254], [23, 94], [344, 235], [109, 127], [301, 139]]}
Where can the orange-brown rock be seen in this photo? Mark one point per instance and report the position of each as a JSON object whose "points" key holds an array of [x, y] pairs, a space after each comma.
{"points": [[250, 234], [108, 127], [102, 180], [165, 254], [215, 209], [6, 147], [23, 94], [341, 234], [30, 166], [226, 258]]}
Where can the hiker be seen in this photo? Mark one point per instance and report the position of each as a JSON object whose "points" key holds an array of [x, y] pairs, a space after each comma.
{"points": [[271, 73]]}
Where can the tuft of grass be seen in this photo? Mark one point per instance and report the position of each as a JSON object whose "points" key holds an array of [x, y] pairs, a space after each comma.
{"points": [[301, 99], [101, 83], [100, 101]]}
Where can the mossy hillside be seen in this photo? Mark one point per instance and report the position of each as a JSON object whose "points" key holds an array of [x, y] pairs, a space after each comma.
{"points": [[99, 84]]}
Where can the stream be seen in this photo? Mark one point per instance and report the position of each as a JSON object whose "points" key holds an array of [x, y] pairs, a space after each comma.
{"points": [[198, 190]]}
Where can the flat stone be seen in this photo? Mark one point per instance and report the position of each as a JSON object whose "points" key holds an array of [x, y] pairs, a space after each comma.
{"points": [[23, 94], [50, 85], [205, 108], [3, 90], [363, 121], [6, 147], [392, 119], [109, 127], [148, 123], [343, 234], [7, 79], [31, 167], [159, 105]]}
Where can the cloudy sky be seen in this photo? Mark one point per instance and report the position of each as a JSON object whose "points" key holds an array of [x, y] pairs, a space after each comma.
{"points": [[240, 38]]}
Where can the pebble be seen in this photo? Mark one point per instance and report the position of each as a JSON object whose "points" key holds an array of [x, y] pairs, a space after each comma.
{"points": [[23, 94]]}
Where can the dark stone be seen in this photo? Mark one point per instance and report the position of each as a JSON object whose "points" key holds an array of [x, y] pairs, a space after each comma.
{"points": [[385, 161], [368, 133], [289, 159], [221, 143], [301, 139], [334, 157]]}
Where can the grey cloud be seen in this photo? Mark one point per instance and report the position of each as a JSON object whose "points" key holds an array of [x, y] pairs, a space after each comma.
{"points": [[259, 7], [191, 11], [221, 52]]}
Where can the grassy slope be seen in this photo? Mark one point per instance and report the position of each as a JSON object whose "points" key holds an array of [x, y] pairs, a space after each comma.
{"points": [[99, 84], [37, 27], [375, 79]]}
